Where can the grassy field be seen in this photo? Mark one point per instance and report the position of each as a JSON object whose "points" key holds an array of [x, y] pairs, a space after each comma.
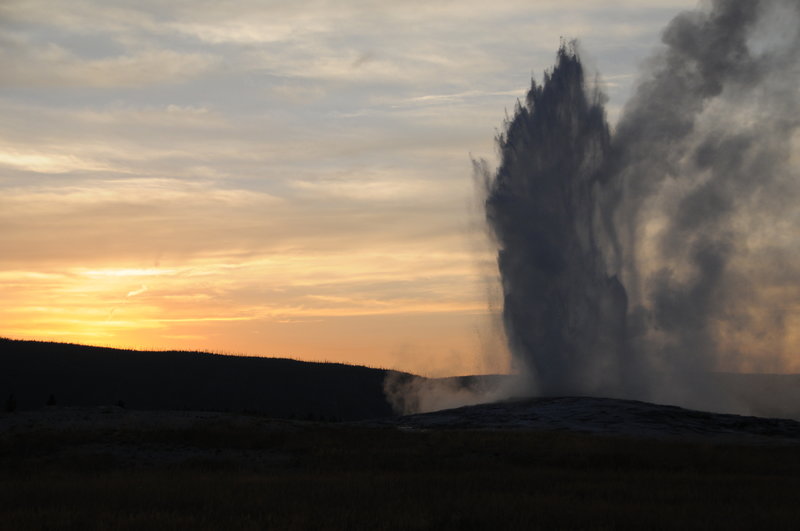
{"points": [[292, 475]]}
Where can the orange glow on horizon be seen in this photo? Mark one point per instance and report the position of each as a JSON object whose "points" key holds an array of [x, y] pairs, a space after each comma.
{"points": [[198, 305]]}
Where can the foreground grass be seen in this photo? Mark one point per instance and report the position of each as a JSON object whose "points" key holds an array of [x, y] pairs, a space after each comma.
{"points": [[307, 476]]}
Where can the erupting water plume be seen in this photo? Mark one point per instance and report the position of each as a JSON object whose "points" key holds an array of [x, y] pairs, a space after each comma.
{"points": [[564, 312], [636, 262]]}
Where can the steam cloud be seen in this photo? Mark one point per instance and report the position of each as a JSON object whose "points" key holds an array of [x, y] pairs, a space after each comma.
{"points": [[636, 262]]}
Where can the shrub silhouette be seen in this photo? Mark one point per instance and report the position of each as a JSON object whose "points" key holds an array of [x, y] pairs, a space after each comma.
{"points": [[11, 403]]}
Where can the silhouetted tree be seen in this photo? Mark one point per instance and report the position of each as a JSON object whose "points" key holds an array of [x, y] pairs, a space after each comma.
{"points": [[11, 403], [51, 401]]}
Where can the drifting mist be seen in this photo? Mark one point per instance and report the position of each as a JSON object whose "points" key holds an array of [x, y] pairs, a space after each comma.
{"points": [[635, 262]]}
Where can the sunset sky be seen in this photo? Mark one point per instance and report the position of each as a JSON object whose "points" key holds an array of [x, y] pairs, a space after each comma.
{"points": [[273, 178]]}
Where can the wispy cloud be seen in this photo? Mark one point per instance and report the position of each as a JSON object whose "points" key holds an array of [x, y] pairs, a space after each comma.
{"points": [[268, 177]]}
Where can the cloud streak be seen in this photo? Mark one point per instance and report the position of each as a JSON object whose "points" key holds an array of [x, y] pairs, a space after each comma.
{"points": [[268, 159]]}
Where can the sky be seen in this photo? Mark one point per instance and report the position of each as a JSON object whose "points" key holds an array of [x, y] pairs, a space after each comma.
{"points": [[271, 178]]}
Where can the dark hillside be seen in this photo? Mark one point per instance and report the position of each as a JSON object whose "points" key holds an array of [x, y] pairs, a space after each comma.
{"points": [[77, 375]]}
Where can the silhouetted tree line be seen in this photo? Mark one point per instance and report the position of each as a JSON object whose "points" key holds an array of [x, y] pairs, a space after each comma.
{"points": [[11, 403], [76, 375]]}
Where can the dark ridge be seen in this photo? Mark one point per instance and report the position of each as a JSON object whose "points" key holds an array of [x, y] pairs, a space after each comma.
{"points": [[33, 373]]}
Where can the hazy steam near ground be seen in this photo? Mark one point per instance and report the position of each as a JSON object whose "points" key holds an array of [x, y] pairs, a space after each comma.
{"points": [[636, 261], [410, 394]]}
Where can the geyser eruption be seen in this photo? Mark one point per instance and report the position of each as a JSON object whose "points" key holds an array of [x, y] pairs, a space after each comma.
{"points": [[636, 262], [564, 311]]}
